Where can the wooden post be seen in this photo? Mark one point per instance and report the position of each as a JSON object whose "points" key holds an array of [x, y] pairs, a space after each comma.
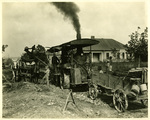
{"points": [[71, 70], [46, 76], [90, 58], [67, 100], [91, 72]]}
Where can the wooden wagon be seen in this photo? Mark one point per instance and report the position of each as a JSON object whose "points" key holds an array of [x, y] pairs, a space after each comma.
{"points": [[133, 87]]}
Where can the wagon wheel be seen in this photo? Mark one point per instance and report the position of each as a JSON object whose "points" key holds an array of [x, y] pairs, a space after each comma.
{"points": [[120, 100], [92, 92], [145, 102]]}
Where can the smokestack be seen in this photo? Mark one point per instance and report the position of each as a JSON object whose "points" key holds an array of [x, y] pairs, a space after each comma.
{"points": [[78, 36], [79, 49], [70, 10]]}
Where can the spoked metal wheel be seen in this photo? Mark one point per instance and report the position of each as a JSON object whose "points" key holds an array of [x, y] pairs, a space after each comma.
{"points": [[145, 102], [93, 93], [120, 100]]}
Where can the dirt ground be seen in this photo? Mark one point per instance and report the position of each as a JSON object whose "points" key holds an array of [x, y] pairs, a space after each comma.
{"points": [[29, 100]]}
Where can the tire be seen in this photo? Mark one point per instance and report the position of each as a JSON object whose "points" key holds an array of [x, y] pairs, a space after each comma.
{"points": [[120, 100]]}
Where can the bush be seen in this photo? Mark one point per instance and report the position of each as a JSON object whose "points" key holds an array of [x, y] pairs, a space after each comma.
{"points": [[7, 62]]}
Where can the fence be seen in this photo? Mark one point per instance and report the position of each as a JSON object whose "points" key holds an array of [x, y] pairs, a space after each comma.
{"points": [[119, 66]]}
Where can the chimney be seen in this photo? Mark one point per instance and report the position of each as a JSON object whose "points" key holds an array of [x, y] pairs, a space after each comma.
{"points": [[78, 36], [92, 37]]}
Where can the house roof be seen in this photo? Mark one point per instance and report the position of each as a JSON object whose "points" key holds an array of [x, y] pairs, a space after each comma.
{"points": [[106, 44]]}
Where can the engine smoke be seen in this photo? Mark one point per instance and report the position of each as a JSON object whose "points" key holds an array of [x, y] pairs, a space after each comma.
{"points": [[70, 10]]}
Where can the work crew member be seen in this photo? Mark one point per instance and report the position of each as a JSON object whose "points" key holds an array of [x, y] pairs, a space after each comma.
{"points": [[55, 62]]}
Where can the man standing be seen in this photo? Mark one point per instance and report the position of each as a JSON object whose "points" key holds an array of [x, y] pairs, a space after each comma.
{"points": [[55, 62], [107, 66]]}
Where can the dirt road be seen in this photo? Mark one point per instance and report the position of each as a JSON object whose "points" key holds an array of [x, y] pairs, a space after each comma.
{"points": [[28, 100]]}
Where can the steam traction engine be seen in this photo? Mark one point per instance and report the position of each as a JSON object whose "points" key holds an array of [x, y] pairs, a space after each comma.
{"points": [[73, 72]]}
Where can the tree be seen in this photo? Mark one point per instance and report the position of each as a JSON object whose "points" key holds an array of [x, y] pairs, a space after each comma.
{"points": [[137, 47], [4, 47]]}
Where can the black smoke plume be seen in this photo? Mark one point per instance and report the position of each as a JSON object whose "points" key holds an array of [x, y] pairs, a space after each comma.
{"points": [[70, 10]]}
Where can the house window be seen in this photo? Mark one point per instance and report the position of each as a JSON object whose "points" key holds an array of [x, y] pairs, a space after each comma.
{"points": [[118, 55], [95, 57], [107, 55], [123, 55]]}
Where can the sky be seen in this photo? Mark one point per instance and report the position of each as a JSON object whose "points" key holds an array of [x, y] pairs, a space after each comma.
{"points": [[32, 23]]}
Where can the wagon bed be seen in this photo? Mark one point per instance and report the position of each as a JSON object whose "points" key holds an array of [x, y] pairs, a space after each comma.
{"points": [[109, 82], [125, 89]]}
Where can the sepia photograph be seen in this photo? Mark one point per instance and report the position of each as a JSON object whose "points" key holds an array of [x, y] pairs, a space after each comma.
{"points": [[74, 59]]}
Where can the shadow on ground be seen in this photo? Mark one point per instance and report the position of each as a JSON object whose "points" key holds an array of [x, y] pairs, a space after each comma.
{"points": [[132, 105]]}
